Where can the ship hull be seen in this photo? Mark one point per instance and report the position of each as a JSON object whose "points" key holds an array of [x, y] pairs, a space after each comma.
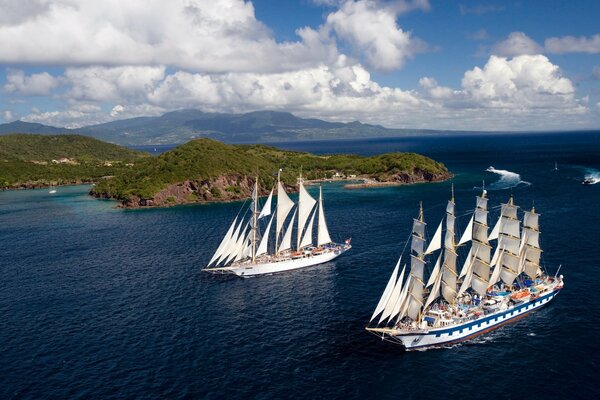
{"points": [[440, 337], [247, 269]]}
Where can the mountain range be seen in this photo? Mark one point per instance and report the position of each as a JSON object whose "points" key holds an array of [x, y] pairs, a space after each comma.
{"points": [[183, 125]]}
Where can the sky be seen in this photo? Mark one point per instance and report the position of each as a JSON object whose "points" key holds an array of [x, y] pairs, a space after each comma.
{"points": [[493, 65]]}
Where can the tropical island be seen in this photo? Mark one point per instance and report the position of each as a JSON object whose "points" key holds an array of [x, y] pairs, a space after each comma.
{"points": [[200, 171], [30, 161], [205, 170]]}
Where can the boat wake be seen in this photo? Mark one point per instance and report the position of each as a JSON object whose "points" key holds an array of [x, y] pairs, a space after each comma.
{"points": [[592, 176], [507, 179]]}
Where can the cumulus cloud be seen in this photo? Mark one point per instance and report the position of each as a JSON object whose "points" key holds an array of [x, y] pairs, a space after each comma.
{"points": [[571, 44], [8, 115], [371, 29], [200, 35], [516, 44], [32, 85]]}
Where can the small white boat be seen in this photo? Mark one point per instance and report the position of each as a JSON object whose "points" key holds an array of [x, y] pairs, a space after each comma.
{"points": [[52, 189]]}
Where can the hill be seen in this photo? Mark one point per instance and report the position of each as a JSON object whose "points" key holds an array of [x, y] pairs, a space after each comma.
{"points": [[40, 160], [206, 170], [183, 125]]}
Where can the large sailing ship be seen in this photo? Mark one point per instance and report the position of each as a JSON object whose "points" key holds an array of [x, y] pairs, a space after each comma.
{"points": [[489, 291], [245, 251]]}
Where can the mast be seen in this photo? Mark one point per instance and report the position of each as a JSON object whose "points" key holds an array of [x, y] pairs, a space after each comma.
{"points": [[417, 266], [254, 219], [449, 274], [284, 206], [480, 264], [509, 242], [531, 253], [277, 212], [305, 205]]}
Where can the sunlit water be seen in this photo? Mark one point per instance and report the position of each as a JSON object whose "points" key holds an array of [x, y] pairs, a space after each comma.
{"points": [[97, 302]]}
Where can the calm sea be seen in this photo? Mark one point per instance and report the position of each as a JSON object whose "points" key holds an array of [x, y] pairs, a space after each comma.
{"points": [[97, 302]]}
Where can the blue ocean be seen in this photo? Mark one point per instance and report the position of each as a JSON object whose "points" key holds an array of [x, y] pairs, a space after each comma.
{"points": [[99, 302]]}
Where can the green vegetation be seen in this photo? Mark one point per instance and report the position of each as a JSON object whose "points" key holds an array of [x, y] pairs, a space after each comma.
{"points": [[205, 159], [39, 160]]}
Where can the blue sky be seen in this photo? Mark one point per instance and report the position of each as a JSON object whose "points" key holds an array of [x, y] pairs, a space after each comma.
{"points": [[490, 65]]}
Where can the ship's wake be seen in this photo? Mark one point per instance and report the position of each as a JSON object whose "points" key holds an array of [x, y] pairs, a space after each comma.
{"points": [[507, 179], [592, 176]]}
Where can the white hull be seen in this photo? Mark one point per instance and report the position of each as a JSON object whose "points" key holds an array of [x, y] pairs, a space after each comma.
{"points": [[247, 269], [444, 336]]}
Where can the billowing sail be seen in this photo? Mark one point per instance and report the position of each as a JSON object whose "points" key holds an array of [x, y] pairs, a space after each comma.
{"points": [[387, 292], [480, 264], [435, 291], [241, 243], [284, 205], [468, 233], [305, 204], [467, 264], [266, 210], [435, 272], [415, 291], [449, 275], [436, 241], [262, 247], [224, 242], [286, 242], [509, 240], [230, 249], [322, 231], [495, 231], [394, 297], [531, 243], [308, 236]]}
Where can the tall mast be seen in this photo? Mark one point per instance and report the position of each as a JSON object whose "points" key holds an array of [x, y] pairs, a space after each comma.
{"points": [[277, 209], [254, 221]]}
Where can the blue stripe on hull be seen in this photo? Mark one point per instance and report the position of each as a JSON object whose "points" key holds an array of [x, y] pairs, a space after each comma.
{"points": [[438, 333]]}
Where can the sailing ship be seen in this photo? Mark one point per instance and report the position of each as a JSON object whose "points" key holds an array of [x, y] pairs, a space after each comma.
{"points": [[245, 251], [489, 291]]}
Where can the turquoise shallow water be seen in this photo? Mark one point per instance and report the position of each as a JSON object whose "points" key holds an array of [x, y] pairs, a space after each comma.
{"points": [[97, 302]]}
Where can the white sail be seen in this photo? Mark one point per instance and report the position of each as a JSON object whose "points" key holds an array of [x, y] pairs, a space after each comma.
{"points": [[387, 292], [262, 247], [509, 227], [531, 220], [467, 264], [394, 297], [435, 291], [305, 204], [229, 250], [436, 241], [400, 301], [495, 231], [223, 243], [236, 251], [322, 231], [497, 264], [435, 272], [404, 299], [308, 236], [286, 242], [468, 233], [284, 205], [266, 210], [415, 292]]}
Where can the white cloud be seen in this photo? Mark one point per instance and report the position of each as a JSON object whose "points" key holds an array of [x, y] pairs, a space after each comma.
{"points": [[516, 44], [199, 35], [523, 82], [571, 44], [370, 27], [32, 85], [8, 115]]}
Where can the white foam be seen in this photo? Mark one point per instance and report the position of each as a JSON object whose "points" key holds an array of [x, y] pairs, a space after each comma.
{"points": [[508, 179], [593, 175]]}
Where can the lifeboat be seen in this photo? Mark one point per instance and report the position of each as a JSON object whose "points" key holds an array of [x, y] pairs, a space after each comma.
{"points": [[520, 296]]}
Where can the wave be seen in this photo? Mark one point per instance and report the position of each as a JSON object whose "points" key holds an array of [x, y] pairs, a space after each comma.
{"points": [[592, 175], [508, 179]]}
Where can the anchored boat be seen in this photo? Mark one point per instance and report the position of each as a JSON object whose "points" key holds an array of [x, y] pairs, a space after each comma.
{"points": [[246, 251], [490, 290]]}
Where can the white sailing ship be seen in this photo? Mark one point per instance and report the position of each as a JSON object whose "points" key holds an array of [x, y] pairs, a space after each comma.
{"points": [[245, 251], [490, 290]]}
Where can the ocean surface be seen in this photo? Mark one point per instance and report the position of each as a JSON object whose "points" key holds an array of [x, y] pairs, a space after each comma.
{"points": [[99, 302]]}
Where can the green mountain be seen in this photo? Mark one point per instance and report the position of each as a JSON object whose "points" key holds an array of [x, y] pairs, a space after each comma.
{"points": [[184, 125], [206, 170], [41, 160]]}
